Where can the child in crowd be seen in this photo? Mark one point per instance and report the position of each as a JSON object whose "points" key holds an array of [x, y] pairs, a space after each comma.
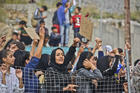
{"points": [[55, 37], [42, 24], [76, 20]]}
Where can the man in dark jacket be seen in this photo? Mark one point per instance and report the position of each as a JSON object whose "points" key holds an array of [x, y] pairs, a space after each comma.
{"points": [[55, 18]]}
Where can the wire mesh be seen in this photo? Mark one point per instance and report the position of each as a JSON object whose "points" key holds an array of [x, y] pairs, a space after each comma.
{"points": [[51, 81]]}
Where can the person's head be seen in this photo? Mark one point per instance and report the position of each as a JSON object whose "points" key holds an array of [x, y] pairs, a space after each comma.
{"points": [[22, 23], [43, 62], [43, 8], [59, 56], [16, 45], [21, 58], [57, 60], [108, 49], [58, 4], [15, 36], [54, 29], [7, 57], [85, 55], [67, 4], [64, 2], [42, 23], [120, 51], [77, 10]]}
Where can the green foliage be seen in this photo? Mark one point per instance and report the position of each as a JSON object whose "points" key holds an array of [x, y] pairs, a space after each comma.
{"points": [[15, 1], [135, 16]]}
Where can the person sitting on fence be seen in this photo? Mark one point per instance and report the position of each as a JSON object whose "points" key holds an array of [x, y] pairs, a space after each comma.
{"points": [[42, 24], [57, 78], [87, 71], [10, 78], [55, 38]]}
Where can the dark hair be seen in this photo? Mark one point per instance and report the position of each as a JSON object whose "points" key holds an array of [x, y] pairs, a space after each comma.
{"points": [[43, 62], [42, 21], [45, 7], [136, 62], [58, 4], [20, 45], [22, 22], [53, 28], [1, 62], [83, 56], [79, 9], [3, 54], [20, 58], [120, 50], [14, 33]]}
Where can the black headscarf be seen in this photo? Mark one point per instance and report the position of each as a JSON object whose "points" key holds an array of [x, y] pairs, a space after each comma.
{"points": [[83, 56], [103, 63], [60, 67], [43, 62]]}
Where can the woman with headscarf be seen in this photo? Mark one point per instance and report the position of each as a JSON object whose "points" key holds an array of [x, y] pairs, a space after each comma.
{"points": [[57, 78], [86, 72]]}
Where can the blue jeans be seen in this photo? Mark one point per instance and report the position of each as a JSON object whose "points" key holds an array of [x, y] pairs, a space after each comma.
{"points": [[76, 32], [64, 32]]}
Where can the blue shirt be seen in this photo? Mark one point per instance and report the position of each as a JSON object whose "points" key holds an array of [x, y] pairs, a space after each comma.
{"points": [[30, 80]]}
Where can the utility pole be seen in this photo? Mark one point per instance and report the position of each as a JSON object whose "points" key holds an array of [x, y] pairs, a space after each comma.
{"points": [[127, 25]]}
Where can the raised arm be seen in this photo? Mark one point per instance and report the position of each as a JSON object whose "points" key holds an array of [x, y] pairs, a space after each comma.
{"points": [[33, 48], [35, 59], [71, 51], [40, 45]]}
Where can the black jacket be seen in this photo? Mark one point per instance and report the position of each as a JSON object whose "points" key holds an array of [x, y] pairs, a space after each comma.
{"points": [[56, 77]]}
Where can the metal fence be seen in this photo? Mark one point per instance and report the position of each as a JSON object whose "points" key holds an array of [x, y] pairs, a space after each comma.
{"points": [[48, 81]]}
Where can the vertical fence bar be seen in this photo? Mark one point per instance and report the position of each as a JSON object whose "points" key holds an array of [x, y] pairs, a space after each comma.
{"points": [[128, 72]]}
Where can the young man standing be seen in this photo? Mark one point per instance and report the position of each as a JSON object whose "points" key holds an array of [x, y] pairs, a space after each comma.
{"points": [[55, 18]]}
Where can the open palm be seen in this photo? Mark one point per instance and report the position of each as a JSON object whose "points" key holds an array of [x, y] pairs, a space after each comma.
{"points": [[19, 73]]}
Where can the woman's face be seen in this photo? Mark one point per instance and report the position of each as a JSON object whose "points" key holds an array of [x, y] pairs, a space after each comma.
{"points": [[59, 57], [10, 59]]}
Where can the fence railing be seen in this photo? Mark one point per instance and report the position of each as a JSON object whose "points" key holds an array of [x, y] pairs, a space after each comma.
{"points": [[53, 82]]}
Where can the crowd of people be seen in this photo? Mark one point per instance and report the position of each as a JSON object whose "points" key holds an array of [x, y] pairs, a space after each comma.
{"points": [[78, 71]]}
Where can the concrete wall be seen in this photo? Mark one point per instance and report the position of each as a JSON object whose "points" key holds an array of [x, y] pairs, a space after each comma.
{"points": [[115, 37], [110, 35]]}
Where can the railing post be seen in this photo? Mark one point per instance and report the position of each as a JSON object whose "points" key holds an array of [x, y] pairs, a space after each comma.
{"points": [[128, 71]]}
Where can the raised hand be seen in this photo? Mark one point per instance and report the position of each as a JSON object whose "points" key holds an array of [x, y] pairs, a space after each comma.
{"points": [[81, 49], [76, 41], [35, 42], [87, 64], [19, 73], [70, 87], [4, 69], [42, 32], [127, 45]]}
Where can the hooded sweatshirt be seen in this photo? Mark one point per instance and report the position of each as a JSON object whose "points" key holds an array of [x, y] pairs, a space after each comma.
{"points": [[61, 13]]}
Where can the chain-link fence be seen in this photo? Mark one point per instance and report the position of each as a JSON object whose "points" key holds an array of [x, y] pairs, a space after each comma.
{"points": [[51, 81]]}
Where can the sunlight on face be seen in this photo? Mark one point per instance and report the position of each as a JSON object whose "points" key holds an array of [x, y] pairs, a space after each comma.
{"points": [[59, 56]]}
